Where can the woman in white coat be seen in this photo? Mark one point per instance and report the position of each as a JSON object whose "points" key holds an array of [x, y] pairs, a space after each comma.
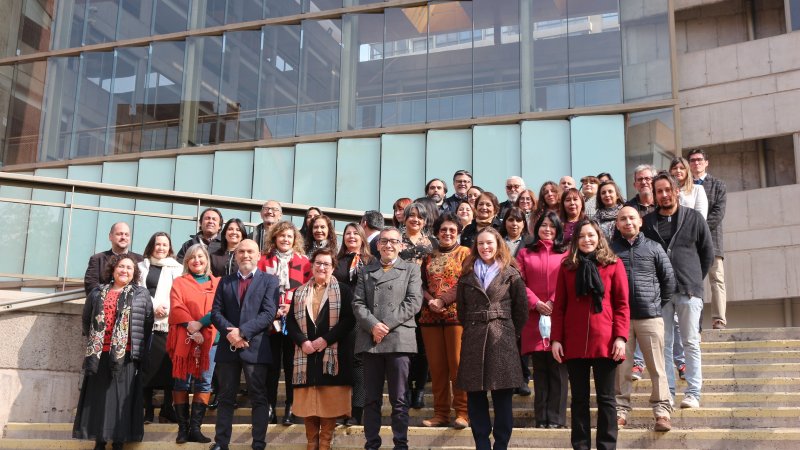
{"points": [[692, 195], [158, 269]]}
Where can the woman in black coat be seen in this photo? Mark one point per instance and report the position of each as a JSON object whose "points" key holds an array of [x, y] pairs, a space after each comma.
{"points": [[110, 406], [319, 320]]}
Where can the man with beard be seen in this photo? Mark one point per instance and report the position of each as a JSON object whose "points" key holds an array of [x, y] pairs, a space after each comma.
{"points": [[208, 234], [436, 190], [462, 181], [514, 186], [643, 183]]}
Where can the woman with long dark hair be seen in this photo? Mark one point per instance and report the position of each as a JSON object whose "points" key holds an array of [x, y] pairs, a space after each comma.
{"points": [[322, 235], [572, 210], [589, 329], [223, 261]]}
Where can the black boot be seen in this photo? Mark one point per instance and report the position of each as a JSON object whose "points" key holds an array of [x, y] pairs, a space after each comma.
{"points": [[198, 412], [273, 416], [100, 445], [167, 413], [117, 446], [355, 416], [417, 398], [288, 416], [182, 411], [149, 411]]}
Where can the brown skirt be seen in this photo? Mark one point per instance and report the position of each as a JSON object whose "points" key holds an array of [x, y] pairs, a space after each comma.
{"points": [[322, 401]]}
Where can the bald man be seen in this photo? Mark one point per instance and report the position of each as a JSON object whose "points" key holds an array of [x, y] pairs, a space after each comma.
{"points": [[120, 238]]}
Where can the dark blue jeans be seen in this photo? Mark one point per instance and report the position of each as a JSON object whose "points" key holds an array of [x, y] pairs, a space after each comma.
{"points": [[392, 367]]}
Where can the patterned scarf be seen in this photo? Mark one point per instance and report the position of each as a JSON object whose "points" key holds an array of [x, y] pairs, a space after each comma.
{"points": [[119, 334], [282, 270], [330, 358], [355, 266]]}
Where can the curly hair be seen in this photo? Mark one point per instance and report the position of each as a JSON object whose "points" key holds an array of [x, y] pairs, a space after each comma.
{"points": [[112, 264], [603, 252], [298, 245]]}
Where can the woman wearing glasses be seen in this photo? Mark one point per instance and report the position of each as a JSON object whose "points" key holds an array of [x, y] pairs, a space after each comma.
{"points": [[319, 320]]}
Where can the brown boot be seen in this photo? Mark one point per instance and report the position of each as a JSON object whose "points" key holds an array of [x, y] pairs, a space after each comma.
{"points": [[312, 432], [326, 425]]}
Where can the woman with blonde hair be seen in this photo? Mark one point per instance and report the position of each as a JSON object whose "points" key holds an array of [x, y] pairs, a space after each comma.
{"points": [[691, 195]]}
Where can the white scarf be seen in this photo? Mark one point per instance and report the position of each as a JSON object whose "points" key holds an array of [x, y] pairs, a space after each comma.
{"points": [[282, 271]]}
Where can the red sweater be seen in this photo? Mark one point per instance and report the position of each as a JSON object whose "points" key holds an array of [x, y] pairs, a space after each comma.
{"points": [[581, 333], [539, 269]]}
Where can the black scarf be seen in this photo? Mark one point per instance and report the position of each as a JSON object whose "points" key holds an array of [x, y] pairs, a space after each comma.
{"points": [[588, 282]]}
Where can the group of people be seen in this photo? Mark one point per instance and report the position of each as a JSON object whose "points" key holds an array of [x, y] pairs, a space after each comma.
{"points": [[465, 290]]}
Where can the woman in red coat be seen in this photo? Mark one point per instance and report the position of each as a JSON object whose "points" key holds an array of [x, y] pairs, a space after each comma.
{"points": [[539, 263], [589, 329]]}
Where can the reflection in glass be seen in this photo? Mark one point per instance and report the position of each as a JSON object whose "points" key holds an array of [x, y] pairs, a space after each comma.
{"points": [[35, 23], [318, 103], [24, 113], [650, 139], [595, 53], [646, 73], [244, 10], [362, 71], [135, 18], [547, 52], [239, 88], [320, 5], [92, 106], [405, 56], [495, 54], [171, 16], [278, 8], [280, 71], [127, 100], [101, 21], [214, 13], [163, 88], [201, 93], [449, 74], [59, 111], [794, 13]]}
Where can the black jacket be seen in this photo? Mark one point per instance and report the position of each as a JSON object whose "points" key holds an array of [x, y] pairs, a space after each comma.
{"points": [[717, 199], [451, 203], [212, 246], [141, 321], [332, 334], [651, 280], [94, 276], [690, 251], [643, 210], [470, 232]]}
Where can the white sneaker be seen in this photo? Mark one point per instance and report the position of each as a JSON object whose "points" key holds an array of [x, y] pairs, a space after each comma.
{"points": [[690, 401]]}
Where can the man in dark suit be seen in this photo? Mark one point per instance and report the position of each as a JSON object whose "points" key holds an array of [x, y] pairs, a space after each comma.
{"points": [[120, 237], [243, 309], [717, 195], [388, 295]]}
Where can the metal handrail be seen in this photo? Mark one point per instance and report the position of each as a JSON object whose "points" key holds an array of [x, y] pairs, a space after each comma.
{"points": [[40, 300]]}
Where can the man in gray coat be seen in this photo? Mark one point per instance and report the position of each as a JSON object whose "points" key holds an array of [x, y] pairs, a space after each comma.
{"points": [[387, 296]]}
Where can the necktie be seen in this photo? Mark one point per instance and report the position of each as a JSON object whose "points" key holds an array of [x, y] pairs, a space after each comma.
{"points": [[698, 181]]}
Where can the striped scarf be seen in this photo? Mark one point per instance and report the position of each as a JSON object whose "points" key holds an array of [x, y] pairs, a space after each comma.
{"points": [[330, 358]]}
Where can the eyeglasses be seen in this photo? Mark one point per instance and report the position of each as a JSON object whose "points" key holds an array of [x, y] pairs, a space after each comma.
{"points": [[461, 181], [323, 264], [448, 230], [384, 241], [513, 186], [648, 179], [525, 199], [270, 209]]}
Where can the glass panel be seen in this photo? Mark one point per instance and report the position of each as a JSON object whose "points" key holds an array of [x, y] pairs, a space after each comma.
{"points": [[80, 231], [279, 8], [227, 163], [545, 152], [204, 62], [15, 220], [358, 168], [6, 83], [598, 145], [402, 155], [794, 10], [94, 95], [547, 54], [70, 23], [24, 113], [496, 156], [127, 100], [154, 173], [193, 173], [446, 152], [214, 15], [319, 159], [245, 10], [41, 255], [101, 21], [404, 68], [135, 17], [37, 18], [595, 53], [171, 16], [449, 60], [280, 64], [362, 71], [239, 88], [59, 111], [318, 105], [650, 139], [496, 47], [320, 5], [646, 73], [124, 174], [163, 90], [266, 163]]}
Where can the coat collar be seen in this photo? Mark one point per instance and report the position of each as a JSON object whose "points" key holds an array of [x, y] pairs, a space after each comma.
{"points": [[494, 287], [375, 270]]}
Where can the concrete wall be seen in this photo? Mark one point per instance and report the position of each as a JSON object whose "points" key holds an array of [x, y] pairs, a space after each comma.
{"points": [[40, 361], [723, 23], [738, 163]]}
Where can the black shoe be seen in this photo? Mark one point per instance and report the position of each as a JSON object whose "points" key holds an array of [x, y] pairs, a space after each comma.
{"points": [[167, 413], [182, 411], [216, 446], [541, 424], [148, 415], [417, 398], [355, 417], [523, 390], [273, 418], [100, 445], [214, 402], [288, 417], [117, 446], [195, 434]]}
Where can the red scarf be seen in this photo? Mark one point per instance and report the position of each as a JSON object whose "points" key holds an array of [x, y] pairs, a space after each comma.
{"points": [[189, 301]]}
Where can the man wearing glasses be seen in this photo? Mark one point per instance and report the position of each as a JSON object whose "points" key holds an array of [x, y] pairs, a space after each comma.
{"points": [[462, 181], [717, 198], [271, 213], [387, 296], [643, 201], [514, 186]]}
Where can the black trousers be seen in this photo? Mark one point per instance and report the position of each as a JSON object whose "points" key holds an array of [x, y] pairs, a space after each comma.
{"points": [[478, 408], [604, 370], [549, 389], [418, 372], [255, 375], [392, 367], [282, 349]]}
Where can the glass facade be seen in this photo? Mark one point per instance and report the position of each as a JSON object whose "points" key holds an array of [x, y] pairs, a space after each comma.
{"points": [[446, 60]]}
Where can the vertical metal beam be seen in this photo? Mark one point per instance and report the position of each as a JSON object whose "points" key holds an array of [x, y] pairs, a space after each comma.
{"points": [[526, 92], [349, 71], [673, 63], [796, 139]]}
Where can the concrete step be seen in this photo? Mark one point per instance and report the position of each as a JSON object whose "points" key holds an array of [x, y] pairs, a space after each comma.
{"points": [[728, 357], [750, 346], [747, 370], [750, 334], [293, 437]]}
